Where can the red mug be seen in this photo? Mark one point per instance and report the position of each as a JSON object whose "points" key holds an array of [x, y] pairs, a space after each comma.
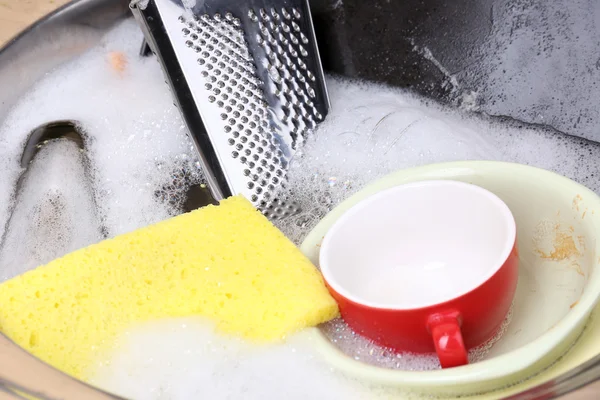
{"points": [[424, 267]]}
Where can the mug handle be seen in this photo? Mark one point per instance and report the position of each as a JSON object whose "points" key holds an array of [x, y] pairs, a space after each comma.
{"points": [[447, 338]]}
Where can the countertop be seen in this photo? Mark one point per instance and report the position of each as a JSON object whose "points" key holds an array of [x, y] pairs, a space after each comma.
{"points": [[15, 15]]}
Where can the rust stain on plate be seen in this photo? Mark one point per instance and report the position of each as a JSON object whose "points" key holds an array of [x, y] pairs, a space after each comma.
{"points": [[574, 304], [555, 243], [576, 200], [321, 242], [578, 206]]}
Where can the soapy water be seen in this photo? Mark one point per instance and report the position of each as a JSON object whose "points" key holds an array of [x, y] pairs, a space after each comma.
{"points": [[363, 350], [373, 130], [141, 161], [220, 367], [136, 145]]}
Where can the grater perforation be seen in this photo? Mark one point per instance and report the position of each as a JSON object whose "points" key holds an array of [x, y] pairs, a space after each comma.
{"points": [[249, 84]]}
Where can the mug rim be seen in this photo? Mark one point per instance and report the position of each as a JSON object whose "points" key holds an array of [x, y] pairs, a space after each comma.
{"points": [[500, 259], [483, 376]]}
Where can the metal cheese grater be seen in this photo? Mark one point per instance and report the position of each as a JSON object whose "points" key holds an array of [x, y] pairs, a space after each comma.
{"points": [[247, 78]]}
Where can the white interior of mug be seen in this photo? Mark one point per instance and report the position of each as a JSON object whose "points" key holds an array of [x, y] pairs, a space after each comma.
{"points": [[418, 244]]}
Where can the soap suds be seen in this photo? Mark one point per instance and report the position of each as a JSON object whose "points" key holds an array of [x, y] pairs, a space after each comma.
{"points": [[189, 4], [139, 155], [363, 350], [218, 367], [137, 142], [373, 130]]}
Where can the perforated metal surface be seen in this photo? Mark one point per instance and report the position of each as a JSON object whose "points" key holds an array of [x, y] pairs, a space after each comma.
{"points": [[248, 80]]}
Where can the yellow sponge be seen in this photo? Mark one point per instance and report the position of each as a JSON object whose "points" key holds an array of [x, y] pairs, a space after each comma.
{"points": [[226, 262]]}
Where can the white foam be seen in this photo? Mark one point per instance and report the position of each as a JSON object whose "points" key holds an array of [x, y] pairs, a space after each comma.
{"points": [[373, 130], [185, 359], [136, 141], [136, 137], [363, 350], [189, 4]]}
